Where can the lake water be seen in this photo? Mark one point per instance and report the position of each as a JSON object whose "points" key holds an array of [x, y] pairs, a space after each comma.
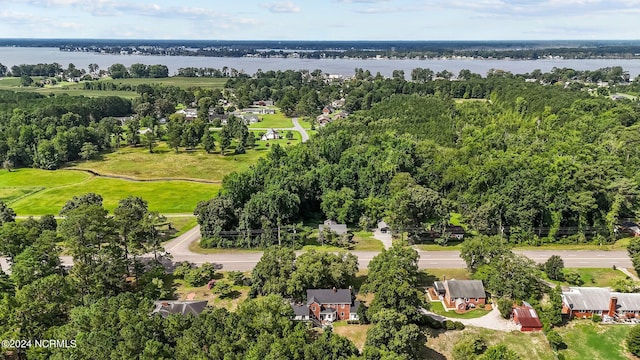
{"points": [[10, 56]]}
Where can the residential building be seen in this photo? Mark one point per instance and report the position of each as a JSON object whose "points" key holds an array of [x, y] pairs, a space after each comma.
{"points": [[332, 226], [323, 120], [167, 307], [461, 294], [271, 134], [189, 114], [258, 110], [527, 317], [327, 305], [584, 302]]}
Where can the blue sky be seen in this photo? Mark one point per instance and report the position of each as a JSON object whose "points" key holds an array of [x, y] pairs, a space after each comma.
{"points": [[322, 19]]}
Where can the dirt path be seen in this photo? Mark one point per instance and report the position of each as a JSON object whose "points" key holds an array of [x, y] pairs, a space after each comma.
{"points": [[130, 178]]}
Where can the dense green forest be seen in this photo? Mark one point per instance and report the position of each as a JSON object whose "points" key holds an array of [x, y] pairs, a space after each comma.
{"points": [[533, 162]]}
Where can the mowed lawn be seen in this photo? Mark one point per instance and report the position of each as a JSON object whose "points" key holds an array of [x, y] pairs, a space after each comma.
{"points": [[586, 340], [61, 185], [77, 89], [276, 121], [166, 163]]}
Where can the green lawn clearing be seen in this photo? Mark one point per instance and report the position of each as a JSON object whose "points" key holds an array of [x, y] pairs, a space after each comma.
{"points": [[139, 163], [77, 89], [181, 82], [61, 185], [437, 308], [588, 340], [354, 332], [454, 273], [366, 242], [196, 248], [276, 121], [305, 122], [598, 277]]}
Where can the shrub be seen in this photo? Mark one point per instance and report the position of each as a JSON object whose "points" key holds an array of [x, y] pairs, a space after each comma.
{"points": [[505, 306], [449, 325], [200, 276], [573, 278], [459, 325], [426, 320], [237, 277], [469, 347], [555, 340], [553, 268], [181, 270], [223, 289], [633, 341], [596, 318]]}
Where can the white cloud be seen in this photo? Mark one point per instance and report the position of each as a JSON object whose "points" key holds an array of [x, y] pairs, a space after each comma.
{"points": [[282, 7], [38, 23]]}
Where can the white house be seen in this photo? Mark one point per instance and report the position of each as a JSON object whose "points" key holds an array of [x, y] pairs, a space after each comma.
{"points": [[271, 134]]}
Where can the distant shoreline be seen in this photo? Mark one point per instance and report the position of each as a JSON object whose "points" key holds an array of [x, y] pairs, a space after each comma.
{"points": [[359, 50]]}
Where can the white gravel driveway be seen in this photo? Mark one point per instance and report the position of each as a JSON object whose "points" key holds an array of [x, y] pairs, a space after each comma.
{"points": [[492, 321]]}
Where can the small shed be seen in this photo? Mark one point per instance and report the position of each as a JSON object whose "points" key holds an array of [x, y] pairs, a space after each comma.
{"points": [[527, 318]]}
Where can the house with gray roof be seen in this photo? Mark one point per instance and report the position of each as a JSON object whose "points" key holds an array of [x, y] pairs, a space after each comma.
{"points": [[461, 294], [301, 312], [334, 227], [168, 307], [584, 302], [327, 305]]}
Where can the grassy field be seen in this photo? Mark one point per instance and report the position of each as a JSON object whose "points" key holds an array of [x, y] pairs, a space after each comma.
{"points": [[181, 82], [354, 332], [305, 123], [442, 274], [456, 245], [529, 346], [76, 89], [365, 241], [599, 277], [277, 121], [586, 340], [61, 185], [196, 248], [166, 163], [231, 303], [437, 308]]}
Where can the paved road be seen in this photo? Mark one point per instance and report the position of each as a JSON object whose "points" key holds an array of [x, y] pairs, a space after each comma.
{"points": [[246, 260], [300, 129]]}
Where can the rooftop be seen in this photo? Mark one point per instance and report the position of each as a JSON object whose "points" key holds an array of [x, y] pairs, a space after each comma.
{"points": [[329, 296], [465, 288], [166, 307], [587, 298]]}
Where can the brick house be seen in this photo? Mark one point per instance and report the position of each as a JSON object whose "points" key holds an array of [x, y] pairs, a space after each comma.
{"points": [[327, 305], [461, 294], [584, 302]]}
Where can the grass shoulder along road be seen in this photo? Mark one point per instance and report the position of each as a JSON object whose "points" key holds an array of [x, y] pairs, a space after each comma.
{"points": [[598, 277], [167, 197]]}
